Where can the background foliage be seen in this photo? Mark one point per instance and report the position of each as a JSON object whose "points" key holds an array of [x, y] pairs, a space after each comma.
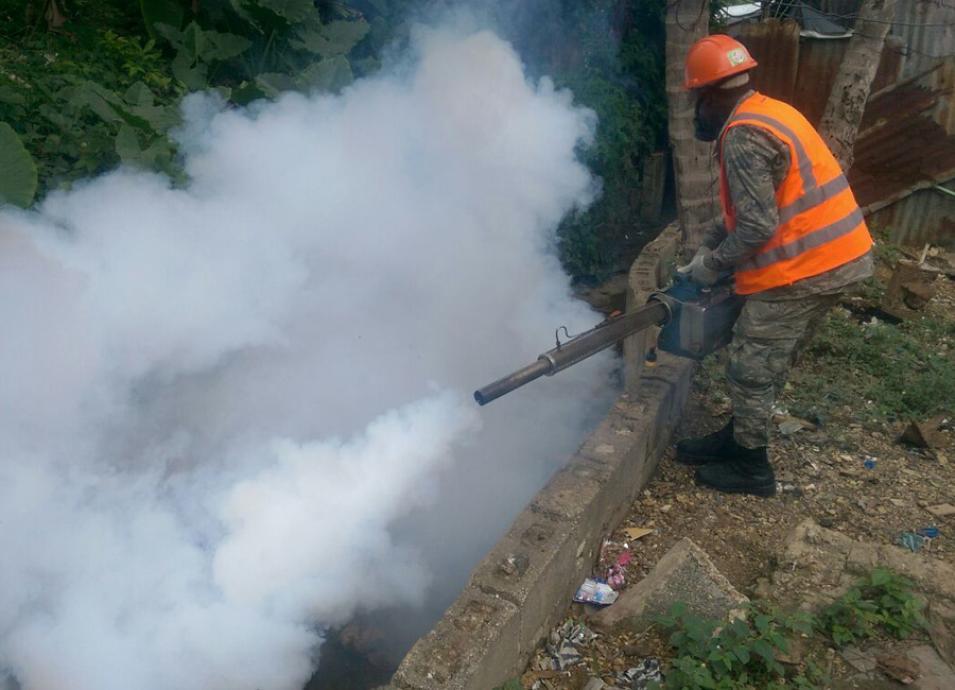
{"points": [[88, 84]]}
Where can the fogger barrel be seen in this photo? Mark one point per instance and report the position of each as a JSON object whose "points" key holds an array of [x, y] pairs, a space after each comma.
{"points": [[602, 336]]}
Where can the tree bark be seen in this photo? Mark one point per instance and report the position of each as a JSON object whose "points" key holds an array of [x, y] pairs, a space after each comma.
{"points": [[693, 162], [840, 120]]}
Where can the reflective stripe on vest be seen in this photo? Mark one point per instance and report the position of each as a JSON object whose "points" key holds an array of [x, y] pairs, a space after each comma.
{"points": [[820, 224]]}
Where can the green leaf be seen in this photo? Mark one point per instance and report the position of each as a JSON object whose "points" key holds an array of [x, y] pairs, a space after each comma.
{"points": [[274, 83], [94, 97], [195, 77], [127, 145], [329, 40], [131, 152], [246, 92], [880, 577], [169, 12], [240, 8], [18, 177], [196, 45], [139, 101], [225, 46], [294, 11], [330, 74], [765, 650], [11, 96]]}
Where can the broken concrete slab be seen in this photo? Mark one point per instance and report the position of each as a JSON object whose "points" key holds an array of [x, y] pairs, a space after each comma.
{"points": [[917, 666], [934, 673], [926, 434], [817, 565], [910, 289], [941, 628], [899, 667], [684, 574]]}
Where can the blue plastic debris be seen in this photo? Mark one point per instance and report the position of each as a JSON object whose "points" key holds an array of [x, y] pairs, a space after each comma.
{"points": [[928, 532], [913, 542], [869, 462]]}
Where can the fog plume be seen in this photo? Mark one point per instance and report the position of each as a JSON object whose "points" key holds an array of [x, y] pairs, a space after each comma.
{"points": [[234, 413]]}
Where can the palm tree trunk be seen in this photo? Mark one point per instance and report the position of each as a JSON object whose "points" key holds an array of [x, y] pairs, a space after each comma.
{"points": [[693, 162], [840, 121]]}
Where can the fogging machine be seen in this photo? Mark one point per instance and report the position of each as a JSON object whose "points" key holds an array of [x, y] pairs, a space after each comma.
{"points": [[695, 321]]}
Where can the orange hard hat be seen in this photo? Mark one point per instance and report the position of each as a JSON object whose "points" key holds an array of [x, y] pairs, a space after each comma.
{"points": [[714, 58]]}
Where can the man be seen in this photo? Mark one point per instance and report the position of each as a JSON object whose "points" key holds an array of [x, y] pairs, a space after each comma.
{"points": [[793, 236]]}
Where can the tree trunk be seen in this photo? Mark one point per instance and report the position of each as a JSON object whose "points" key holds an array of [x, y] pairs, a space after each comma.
{"points": [[693, 162], [840, 121]]}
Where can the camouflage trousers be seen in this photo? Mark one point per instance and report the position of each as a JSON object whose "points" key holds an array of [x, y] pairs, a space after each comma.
{"points": [[766, 340]]}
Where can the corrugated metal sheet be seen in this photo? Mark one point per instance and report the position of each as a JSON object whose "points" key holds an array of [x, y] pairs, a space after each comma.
{"points": [[924, 217], [928, 29], [775, 46], [906, 140], [819, 61], [801, 70]]}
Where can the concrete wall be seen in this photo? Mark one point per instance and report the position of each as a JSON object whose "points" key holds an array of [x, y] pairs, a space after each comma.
{"points": [[523, 586]]}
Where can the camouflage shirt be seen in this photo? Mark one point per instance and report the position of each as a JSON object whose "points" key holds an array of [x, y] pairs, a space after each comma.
{"points": [[756, 163]]}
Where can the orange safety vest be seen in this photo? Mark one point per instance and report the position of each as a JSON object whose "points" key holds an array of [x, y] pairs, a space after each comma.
{"points": [[820, 224]]}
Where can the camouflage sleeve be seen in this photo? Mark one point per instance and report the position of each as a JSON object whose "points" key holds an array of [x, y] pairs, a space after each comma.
{"points": [[754, 161], [715, 234]]}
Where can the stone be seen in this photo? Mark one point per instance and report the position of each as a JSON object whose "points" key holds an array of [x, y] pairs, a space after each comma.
{"points": [[899, 667], [941, 628], [684, 574], [910, 289], [925, 434], [597, 684], [861, 661], [942, 510], [934, 673], [916, 666]]}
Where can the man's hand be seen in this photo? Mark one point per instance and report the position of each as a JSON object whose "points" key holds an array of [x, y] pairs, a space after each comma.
{"points": [[698, 269]]}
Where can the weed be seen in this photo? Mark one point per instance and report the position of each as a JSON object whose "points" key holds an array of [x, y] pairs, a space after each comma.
{"points": [[898, 371], [880, 602], [741, 654]]}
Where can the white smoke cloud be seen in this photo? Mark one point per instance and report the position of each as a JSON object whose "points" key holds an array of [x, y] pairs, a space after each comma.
{"points": [[235, 413]]}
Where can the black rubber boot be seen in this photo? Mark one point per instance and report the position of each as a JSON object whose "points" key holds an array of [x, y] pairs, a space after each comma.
{"points": [[749, 472], [716, 447]]}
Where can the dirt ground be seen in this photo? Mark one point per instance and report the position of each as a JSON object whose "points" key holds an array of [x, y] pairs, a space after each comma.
{"points": [[848, 474]]}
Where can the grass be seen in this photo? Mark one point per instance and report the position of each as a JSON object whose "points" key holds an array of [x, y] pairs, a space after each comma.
{"points": [[876, 371]]}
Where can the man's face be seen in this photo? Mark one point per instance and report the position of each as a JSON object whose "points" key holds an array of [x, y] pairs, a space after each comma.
{"points": [[709, 114]]}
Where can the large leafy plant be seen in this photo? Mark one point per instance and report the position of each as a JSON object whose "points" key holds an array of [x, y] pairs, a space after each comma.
{"points": [[259, 48], [101, 85]]}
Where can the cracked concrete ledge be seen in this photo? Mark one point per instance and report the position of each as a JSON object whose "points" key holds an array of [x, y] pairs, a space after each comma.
{"points": [[518, 592]]}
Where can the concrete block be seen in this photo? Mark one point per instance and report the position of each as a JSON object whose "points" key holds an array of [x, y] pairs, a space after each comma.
{"points": [[684, 574], [533, 568], [565, 496], [475, 646], [611, 442], [660, 422]]}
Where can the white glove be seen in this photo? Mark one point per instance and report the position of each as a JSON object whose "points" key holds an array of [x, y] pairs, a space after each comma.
{"points": [[699, 272]]}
